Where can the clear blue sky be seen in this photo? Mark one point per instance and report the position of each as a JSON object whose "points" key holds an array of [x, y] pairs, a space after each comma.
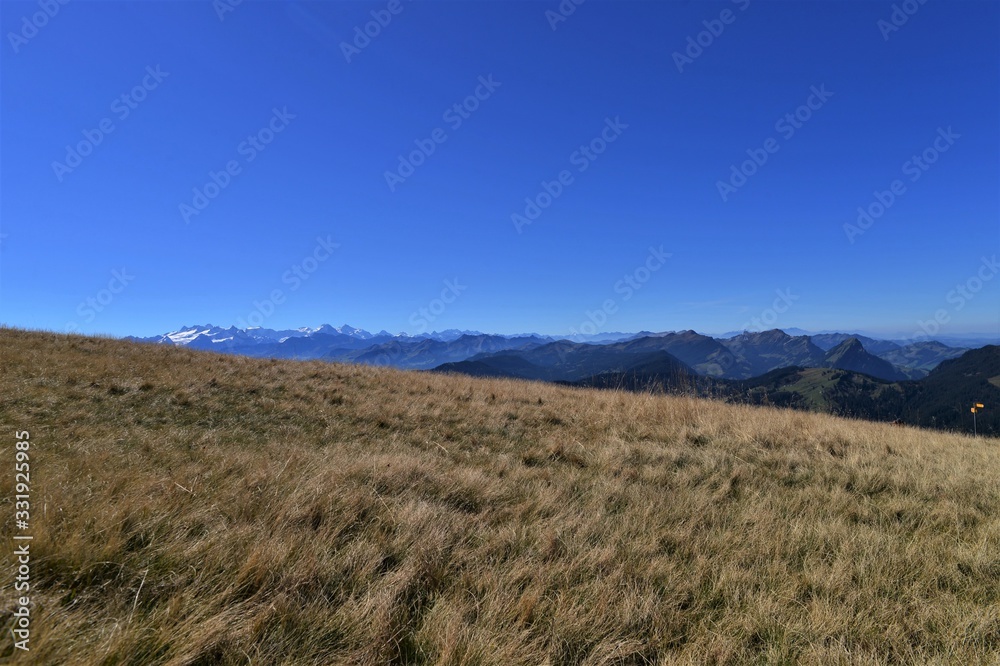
{"points": [[219, 81]]}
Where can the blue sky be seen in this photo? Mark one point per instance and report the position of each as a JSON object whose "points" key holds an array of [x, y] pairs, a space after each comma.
{"points": [[307, 228]]}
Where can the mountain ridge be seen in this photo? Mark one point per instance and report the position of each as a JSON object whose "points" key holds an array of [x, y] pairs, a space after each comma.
{"points": [[741, 356]]}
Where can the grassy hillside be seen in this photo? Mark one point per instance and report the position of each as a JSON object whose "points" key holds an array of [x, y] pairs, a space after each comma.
{"points": [[191, 508], [941, 400], [826, 389]]}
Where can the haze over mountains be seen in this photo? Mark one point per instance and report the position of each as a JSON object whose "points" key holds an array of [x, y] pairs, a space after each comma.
{"points": [[742, 356]]}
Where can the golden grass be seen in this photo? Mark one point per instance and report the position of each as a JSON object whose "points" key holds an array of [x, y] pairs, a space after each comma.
{"points": [[191, 508]]}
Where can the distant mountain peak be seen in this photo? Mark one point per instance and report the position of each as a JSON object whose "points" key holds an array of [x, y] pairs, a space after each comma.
{"points": [[770, 335], [851, 344], [776, 333], [851, 355]]}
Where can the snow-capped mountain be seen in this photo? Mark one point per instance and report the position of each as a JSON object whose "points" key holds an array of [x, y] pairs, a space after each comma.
{"points": [[345, 343], [346, 329], [208, 336], [205, 337]]}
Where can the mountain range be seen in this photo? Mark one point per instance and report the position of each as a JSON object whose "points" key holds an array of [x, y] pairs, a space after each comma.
{"points": [[924, 383], [345, 344], [740, 356]]}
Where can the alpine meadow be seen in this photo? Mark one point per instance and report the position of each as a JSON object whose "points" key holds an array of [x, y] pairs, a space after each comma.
{"points": [[194, 508]]}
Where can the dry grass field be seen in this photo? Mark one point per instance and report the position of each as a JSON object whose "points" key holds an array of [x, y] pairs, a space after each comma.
{"points": [[192, 508]]}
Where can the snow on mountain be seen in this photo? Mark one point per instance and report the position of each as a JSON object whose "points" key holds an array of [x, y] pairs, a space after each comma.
{"points": [[208, 336], [188, 334], [346, 329], [271, 335], [205, 337]]}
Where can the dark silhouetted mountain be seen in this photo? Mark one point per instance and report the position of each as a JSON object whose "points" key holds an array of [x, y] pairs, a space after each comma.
{"points": [[658, 371], [705, 355], [510, 366], [948, 392], [829, 390], [795, 332], [768, 350], [851, 355], [944, 397], [747, 355], [427, 354], [941, 400], [827, 341], [563, 361]]}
